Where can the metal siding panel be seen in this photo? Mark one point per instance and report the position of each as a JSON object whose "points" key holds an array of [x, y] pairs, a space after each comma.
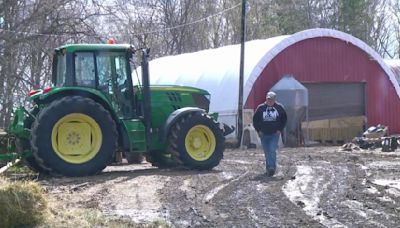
{"points": [[328, 59]]}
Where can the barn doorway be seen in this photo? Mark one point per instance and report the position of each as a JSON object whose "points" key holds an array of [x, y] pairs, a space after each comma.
{"points": [[337, 111]]}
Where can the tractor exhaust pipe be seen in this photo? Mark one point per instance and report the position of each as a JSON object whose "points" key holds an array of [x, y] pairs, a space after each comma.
{"points": [[146, 95]]}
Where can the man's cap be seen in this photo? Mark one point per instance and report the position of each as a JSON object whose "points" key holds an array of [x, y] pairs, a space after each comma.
{"points": [[271, 95]]}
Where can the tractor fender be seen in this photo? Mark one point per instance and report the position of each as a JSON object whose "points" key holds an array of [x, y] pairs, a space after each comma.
{"points": [[175, 116], [74, 91]]}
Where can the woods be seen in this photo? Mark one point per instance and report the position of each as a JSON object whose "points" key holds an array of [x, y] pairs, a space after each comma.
{"points": [[31, 29]]}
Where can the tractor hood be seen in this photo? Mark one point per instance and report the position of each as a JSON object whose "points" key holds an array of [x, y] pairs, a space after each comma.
{"points": [[176, 88]]}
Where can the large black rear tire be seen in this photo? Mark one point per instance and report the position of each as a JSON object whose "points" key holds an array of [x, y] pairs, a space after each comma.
{"points": [[196, 142], [74, 136]]}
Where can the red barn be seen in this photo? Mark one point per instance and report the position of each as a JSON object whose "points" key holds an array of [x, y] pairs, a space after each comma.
{"points": [[344, 76]]}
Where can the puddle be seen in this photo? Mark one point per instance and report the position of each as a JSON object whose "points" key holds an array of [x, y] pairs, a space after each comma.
{"points": [[138, 199], [388, 183], [307, 190]]}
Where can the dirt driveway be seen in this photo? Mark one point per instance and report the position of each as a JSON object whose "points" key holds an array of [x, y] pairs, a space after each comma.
{"points": [[314, 187]]}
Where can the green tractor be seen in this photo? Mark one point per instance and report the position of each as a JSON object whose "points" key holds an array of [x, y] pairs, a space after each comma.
{"points": [[93, 114]]}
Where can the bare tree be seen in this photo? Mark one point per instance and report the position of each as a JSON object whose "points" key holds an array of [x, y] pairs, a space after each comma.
{"points": [[30, 30], [394, 43]]}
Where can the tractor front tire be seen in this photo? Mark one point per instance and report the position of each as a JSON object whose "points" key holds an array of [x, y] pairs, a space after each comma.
{"points": [[196, 142], [74, 136]]}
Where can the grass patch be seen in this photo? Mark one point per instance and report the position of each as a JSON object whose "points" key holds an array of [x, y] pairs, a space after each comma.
{"points": [[83, 217], [22, 203], [20, 168], [20, 171]]}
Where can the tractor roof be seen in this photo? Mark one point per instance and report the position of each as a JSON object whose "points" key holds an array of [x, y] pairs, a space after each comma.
{"points": [[94, 47]]}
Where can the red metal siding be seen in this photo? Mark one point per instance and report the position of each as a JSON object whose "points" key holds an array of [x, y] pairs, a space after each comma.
{"points": [[326, 59]]}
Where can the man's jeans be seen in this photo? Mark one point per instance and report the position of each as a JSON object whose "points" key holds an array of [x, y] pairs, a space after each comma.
{"points": [[270, 145]]}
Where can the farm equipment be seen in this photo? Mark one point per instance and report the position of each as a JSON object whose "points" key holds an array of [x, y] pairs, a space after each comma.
{"points": [[376, 137], [93, 113]]}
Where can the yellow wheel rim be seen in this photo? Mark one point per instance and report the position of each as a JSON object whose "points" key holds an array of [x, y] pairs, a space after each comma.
{"points": [[200, 142], [76, 138]]}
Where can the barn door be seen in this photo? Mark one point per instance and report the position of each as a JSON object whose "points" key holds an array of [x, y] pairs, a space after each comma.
{"points": [[335, 100]]}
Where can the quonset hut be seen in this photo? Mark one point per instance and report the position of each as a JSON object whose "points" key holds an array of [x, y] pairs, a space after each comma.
{"points": [[343, 75]]}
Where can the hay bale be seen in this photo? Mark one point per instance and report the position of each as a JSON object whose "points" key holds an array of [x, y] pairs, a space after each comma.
{"points": [[22, 203]]}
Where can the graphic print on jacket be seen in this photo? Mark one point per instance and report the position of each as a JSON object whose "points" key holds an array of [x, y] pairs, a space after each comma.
{"points": [[270, 114], [269, 119]]}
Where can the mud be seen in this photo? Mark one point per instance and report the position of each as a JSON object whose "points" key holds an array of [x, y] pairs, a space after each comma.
{"points": [[314, 187]]}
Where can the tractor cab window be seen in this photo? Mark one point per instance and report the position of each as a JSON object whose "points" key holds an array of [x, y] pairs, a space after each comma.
{"points": [[111, 70], [85, 69], [61, 61], [134, 63], [120, 70], [103, 62]]}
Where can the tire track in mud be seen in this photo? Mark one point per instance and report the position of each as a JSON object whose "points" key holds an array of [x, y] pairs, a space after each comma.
{"points": [[329, 188], [337, 191], [121, 191], [210, 195], [361, 205], [237, 194], [309, 187]]}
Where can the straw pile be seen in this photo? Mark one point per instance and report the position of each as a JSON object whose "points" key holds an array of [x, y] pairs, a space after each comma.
{"points": [[22, 203]]}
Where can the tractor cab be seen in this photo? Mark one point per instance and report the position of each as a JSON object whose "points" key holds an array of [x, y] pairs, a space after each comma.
{"points": [[102, 67]]}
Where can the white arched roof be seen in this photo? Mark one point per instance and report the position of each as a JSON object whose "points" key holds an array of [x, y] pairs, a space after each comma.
{"points": [[217, 70], [394, 65]]}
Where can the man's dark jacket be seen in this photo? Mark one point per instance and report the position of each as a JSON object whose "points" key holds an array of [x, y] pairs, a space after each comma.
{"points": [[268, 119]]}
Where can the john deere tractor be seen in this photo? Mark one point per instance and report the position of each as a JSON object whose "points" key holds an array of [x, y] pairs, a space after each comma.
{"points": [[93, 112]]}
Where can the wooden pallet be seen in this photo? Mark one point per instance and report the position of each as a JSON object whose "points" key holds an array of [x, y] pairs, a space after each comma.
{"points": [[334, 131], [333, 135]]}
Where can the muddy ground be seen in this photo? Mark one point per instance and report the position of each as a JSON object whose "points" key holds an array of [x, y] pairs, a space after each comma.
{"points": [[314, 187]]}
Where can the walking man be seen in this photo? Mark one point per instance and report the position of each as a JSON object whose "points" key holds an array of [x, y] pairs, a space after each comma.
{"points": [[269, 120]]}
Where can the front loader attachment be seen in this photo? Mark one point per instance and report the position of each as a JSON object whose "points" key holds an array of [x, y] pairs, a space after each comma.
{"points": [[9, 152]]}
